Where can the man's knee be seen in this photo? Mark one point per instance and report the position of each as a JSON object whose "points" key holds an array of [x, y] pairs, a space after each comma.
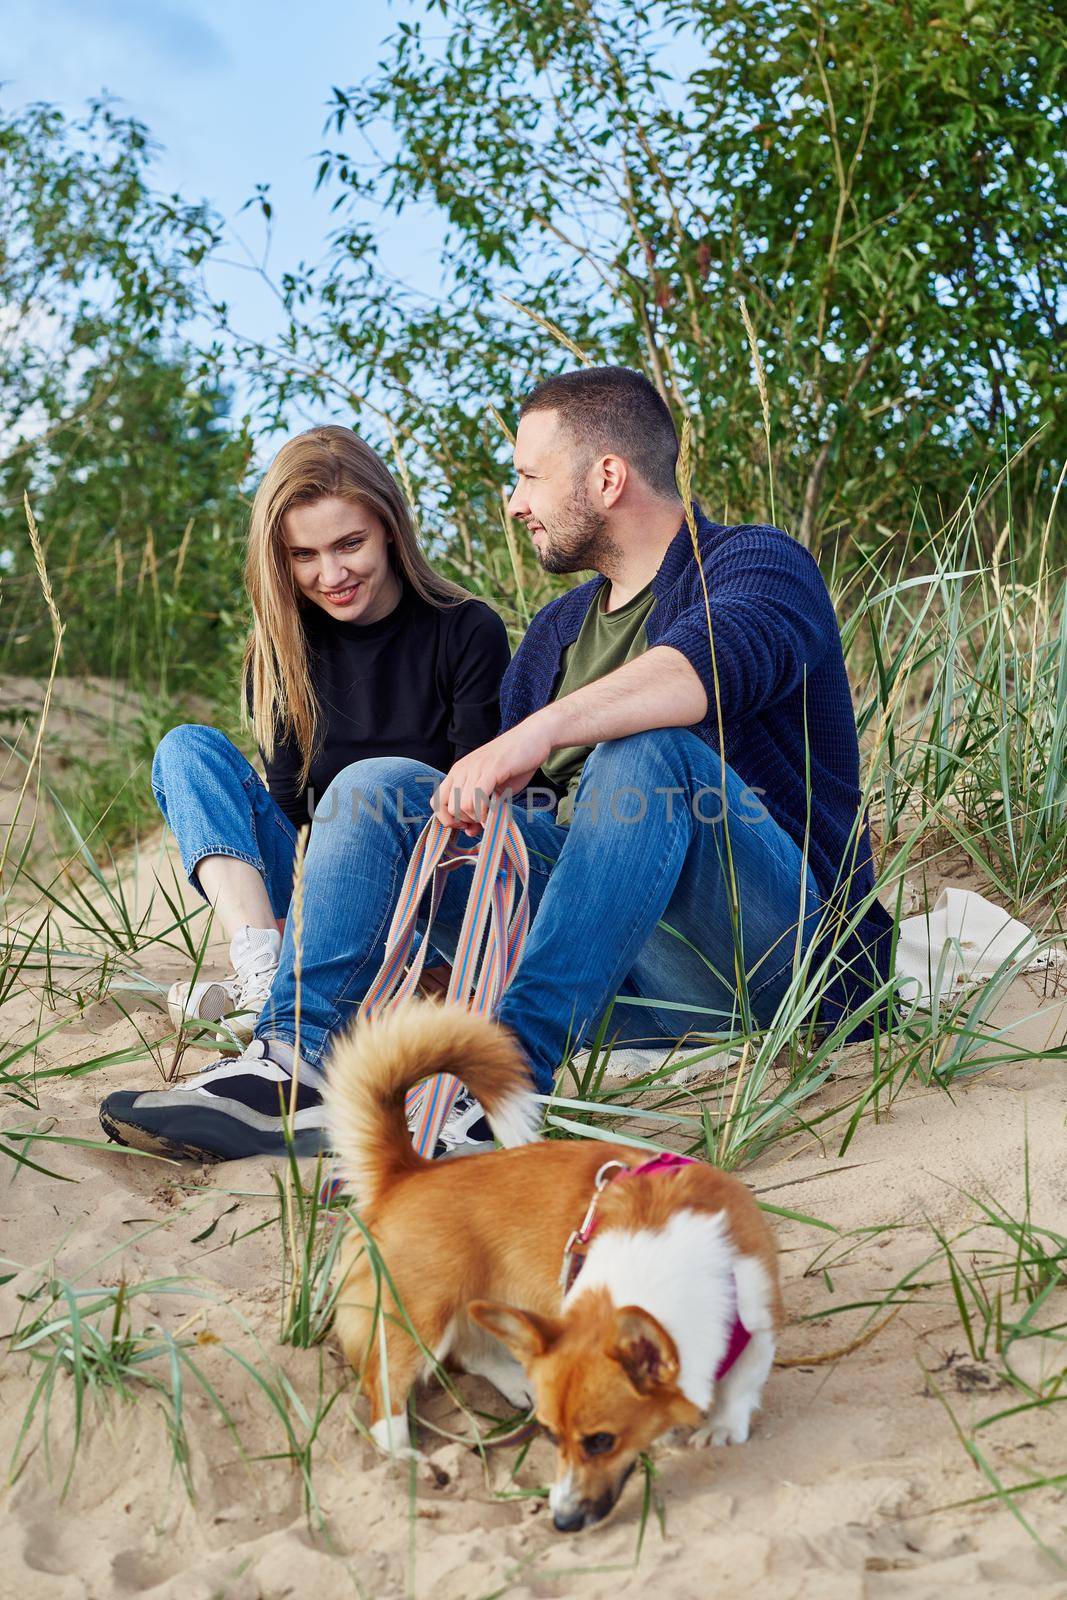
{"points": [[638, 750], [625, 779], [664, 772]]}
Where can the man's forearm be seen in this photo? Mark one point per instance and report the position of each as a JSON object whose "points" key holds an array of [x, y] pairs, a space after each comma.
{"points": [[658, 690]]}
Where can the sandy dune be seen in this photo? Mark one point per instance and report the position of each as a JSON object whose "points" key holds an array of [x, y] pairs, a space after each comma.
{"points": [[840, 1493]]}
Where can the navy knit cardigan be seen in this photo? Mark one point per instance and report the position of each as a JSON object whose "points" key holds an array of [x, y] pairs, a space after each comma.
{"points": [[775, 630]]}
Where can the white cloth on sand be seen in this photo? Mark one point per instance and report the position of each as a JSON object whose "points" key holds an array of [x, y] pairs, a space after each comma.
{"points": [[941, 954]]}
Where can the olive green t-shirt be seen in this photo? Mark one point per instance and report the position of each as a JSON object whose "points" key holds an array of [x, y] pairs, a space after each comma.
{"points": [[607, 639]]}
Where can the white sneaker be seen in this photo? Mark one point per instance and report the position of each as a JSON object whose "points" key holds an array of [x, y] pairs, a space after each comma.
{"points": [[466, 1131], [231, 1005]]}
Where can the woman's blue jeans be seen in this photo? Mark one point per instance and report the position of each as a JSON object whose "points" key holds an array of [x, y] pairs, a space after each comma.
{"points": [[216, 804], [632, 900]]}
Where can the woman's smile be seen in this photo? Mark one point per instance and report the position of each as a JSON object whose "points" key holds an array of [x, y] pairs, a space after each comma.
{"points": [[341, 597]]}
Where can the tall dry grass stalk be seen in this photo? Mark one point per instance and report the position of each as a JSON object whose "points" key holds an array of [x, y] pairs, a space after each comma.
{"points": [[32, 765], [149, 566], [550, 327], [508, 526], [764, 397], [296, 912], [684, 479], [515, 558], [405, 476], [299, 1217], [501, 424], [183, 551]]}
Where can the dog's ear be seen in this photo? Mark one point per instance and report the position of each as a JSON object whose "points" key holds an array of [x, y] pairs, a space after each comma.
{"points": [[645, 1351], [526, 1334]]}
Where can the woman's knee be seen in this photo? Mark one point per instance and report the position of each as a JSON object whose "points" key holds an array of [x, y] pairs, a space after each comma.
{"points": [[190, 746], [378, 786]]}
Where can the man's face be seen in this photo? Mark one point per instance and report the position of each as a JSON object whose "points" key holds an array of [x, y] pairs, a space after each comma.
{"points": [[552, 498]]}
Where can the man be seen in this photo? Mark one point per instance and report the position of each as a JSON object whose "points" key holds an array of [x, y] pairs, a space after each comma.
{"points": [[706, 835]]}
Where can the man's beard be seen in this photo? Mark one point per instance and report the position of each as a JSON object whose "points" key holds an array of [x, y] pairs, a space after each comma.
{"points": [[579, 542]]}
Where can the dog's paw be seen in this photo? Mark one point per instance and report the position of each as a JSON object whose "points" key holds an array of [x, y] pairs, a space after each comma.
{"points": [[504, 1373], [674, 1438], [393, 1439], [719, 1432]]}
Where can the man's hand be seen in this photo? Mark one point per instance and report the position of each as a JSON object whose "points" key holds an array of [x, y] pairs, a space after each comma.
{"points": [[507, 762], [660, 689], [434, 982]]}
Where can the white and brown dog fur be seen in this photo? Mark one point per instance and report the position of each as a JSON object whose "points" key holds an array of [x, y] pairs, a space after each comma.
{"points": [[473, 1249]]}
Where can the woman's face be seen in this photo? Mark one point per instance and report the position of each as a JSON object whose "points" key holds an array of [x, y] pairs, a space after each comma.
{"points": [[339, 554]]}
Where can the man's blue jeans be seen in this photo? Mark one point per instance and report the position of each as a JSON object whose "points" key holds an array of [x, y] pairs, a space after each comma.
{"points": [[631, 900]]}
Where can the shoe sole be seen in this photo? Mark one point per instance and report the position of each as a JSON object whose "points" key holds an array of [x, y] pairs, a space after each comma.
{"points": [[471, 1148], [190, 1127]]}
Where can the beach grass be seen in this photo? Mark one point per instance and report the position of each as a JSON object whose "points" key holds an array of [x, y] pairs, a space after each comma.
{"points": [[959, 666]]}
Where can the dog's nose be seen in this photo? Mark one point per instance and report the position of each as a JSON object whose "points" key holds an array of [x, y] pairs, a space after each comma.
{"points": [[568, 1521]]}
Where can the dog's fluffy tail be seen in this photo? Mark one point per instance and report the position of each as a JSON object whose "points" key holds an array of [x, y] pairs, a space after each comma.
{"points": [[372, 1068]]}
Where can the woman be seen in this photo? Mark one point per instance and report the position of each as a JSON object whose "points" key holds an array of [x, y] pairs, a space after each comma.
{"points": [[358, 648]]}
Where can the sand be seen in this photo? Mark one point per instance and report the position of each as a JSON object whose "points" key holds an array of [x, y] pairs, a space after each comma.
{"points": [[847, 1488]]}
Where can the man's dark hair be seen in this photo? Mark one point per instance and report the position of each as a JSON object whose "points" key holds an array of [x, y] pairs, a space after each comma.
{"points": [[613, 411]]}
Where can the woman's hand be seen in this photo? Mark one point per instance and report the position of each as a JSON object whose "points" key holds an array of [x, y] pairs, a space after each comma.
{"points": [[504, 765]]}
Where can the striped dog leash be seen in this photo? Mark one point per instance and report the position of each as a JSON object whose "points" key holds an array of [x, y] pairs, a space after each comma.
{"points": [[488, 950]]}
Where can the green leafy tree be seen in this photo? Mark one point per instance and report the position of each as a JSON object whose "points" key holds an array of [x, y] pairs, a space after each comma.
{"points": [[138, 502], [88, 256], [110, 419], [881, 183]]}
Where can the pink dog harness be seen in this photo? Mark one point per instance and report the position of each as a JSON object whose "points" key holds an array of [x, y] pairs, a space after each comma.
{"points": [[575, 1250]]}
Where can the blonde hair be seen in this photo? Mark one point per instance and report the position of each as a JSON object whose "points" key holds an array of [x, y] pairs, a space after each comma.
{"points": [[320, 464]]}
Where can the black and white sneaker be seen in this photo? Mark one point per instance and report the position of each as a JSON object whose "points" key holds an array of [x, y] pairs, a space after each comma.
{"points": [[466, 1131], [233, 1109]]}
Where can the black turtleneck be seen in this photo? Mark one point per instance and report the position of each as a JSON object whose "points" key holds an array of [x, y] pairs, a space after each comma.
{"points": [[422, 682]]}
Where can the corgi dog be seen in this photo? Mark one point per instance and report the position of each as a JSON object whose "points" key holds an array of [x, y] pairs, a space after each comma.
{"points": [[669, 1298]]}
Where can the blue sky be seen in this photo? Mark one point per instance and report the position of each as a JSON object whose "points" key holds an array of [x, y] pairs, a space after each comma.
{"points": [[236, 91]]}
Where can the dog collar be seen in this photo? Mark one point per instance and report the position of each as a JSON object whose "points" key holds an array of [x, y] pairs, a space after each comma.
{"points": [[577, 1247]]}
